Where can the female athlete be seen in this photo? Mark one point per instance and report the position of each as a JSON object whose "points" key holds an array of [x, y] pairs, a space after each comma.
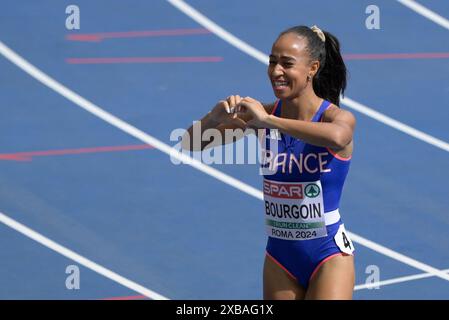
{"points": [[308, 143]]}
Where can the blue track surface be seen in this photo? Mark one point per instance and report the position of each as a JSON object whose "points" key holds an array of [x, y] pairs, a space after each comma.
{"points": [[172, 228]]}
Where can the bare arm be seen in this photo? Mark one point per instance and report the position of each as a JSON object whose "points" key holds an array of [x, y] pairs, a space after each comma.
{"points": [[220, 119], [335, 133]]}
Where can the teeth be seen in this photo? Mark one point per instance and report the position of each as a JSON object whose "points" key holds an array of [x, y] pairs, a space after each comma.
{"points": [[280, 83]]}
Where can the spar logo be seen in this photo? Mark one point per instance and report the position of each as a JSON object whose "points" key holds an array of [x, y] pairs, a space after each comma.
{"points": [[312, 190], [283, 190]]}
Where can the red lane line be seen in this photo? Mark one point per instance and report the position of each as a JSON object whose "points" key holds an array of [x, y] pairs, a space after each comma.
{"points": [[13, 157], [142, 60], [385, 56], [115, 60], [27, 156], [126, 298], [96, 37]]}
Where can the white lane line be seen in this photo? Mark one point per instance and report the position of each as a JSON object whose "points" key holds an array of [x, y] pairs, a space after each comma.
{"points": [[78, 258], [120, 124], [395, 280], [131, 130], [395, 124], [219, 31], [429, 14], [262, 57], [258, 55], [398, 256]]}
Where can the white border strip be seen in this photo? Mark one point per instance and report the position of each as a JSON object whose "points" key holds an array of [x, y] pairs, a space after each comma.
{"points": [[395, 280], [78, 258], [429, 14], [260, 56]]}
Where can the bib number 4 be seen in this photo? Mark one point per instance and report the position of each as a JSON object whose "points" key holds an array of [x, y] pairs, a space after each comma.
{"points": [[343, 241]]}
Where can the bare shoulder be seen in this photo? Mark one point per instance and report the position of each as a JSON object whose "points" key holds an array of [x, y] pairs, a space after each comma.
{"points": [[344, 119], [336, 114]]}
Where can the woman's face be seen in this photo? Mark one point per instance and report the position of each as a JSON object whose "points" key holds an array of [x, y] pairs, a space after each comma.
{"points": [[289, 66]]}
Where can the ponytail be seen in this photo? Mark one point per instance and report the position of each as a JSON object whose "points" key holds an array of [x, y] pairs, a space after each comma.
{"points": [[330, 80]]}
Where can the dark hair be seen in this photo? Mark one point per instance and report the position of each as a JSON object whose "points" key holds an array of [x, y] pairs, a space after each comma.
{"points": [[330, 80]]}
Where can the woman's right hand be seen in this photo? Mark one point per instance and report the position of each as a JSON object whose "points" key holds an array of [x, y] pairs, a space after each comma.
{"points": [[225, 110], [233, 102]]}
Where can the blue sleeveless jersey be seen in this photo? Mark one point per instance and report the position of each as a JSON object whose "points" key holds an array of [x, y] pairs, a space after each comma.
{"points": [[319, 163], [299, 241]]}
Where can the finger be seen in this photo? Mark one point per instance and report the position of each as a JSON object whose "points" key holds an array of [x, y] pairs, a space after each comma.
{"points": [[236, 102], [228, 100], [225, 105], [238, 99], [240, 109], [246, 100], [244, 105], [231, 101]]}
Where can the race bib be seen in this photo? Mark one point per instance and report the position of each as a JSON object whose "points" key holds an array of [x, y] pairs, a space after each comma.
{"points": [[343, 241], [294, 210]]}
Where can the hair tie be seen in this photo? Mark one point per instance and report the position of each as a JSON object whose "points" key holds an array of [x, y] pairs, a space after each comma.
{"points": [[319, 33]]}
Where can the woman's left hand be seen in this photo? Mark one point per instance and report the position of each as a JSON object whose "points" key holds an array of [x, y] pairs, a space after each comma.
{"points": [[256, 110]]}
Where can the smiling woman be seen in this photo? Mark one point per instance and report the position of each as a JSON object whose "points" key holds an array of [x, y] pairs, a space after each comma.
{"points": [[318, 58], [307, 145]]}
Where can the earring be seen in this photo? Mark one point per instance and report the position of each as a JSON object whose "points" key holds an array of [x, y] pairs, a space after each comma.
{"points": [[308, 78]]}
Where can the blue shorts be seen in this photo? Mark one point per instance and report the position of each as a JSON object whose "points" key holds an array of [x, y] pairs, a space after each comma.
{"points": [[301, 259]]}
